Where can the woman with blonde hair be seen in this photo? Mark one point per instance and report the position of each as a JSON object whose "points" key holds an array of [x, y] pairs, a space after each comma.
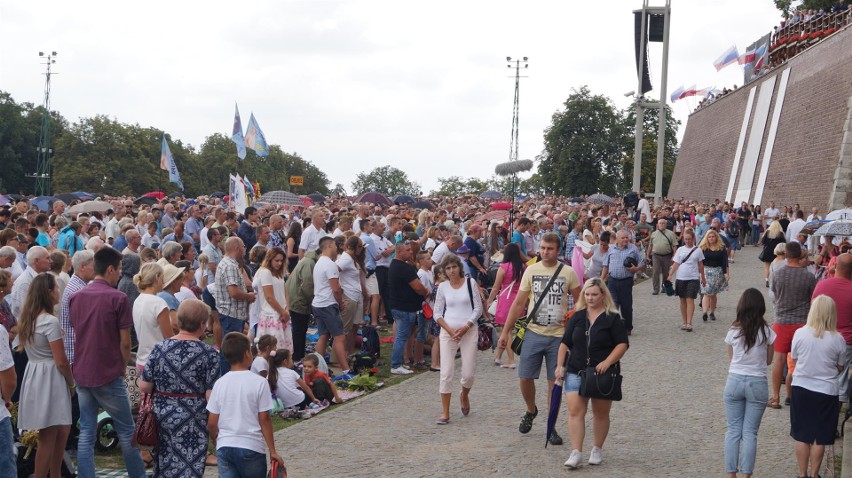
{"points": [[273, 314], [778, 263], [151, 317], [716, 272], [773, 236], [818, 351], [47, 387], [595, 336]]}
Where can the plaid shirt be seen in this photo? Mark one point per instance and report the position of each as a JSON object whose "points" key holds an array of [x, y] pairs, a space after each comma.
{"points": [[614, 261], [570, 240], [228, 273], [74, 285]]}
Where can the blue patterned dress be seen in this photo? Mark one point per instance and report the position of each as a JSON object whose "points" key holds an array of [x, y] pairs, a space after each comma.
{"points": [[181, 371]]}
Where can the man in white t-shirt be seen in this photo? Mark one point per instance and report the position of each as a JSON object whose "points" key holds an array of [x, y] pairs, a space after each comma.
{"points": [[447, 247], [771, 214], [328, 302], [312, 234]]}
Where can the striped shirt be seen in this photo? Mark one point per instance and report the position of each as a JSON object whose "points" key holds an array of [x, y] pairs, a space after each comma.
{"points": [[74, 285]]}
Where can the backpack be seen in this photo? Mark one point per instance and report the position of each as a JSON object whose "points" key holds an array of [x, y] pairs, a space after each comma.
{"points": [[733, 228], [370, 343], [362, 362]]}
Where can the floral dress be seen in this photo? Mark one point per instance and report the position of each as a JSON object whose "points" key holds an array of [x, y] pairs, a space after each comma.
{"points": [[181, 371]]}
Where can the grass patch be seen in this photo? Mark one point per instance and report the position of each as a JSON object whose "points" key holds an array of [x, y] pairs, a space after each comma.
{"points": [[113, 460]]}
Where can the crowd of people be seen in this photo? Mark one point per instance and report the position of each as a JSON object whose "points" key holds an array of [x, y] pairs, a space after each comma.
{"points": [[212, 307]]}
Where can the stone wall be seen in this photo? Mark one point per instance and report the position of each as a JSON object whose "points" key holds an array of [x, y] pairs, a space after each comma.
{"points": [[807, 164]]}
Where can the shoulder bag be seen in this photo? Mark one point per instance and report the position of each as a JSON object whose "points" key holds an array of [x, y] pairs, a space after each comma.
{"points": [[605, 386], [523, 322]]}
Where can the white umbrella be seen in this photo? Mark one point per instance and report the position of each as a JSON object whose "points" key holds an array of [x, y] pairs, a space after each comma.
{"points": [[839, 214], [90, 206]]}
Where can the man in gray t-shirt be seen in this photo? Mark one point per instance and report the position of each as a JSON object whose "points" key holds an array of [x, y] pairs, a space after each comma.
{"points": [[793, 286]]}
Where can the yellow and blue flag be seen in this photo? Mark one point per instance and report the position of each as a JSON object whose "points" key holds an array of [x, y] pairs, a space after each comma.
{"points": [[255, 139]]}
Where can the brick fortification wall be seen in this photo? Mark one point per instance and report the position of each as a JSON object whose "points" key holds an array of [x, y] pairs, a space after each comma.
{"points": [[812, 152]]}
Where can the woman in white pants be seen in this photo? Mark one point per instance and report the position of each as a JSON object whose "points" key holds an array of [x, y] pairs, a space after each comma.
{"points": [[458, 305]]}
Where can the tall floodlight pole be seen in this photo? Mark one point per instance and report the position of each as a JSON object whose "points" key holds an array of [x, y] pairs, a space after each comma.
{"points": [[43, 168], [661, 124], [513, 144]]}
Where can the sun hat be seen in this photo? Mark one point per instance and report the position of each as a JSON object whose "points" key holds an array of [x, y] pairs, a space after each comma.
{"points": [[170, 273]]}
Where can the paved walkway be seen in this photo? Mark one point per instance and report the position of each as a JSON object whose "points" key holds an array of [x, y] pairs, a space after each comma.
{"points": [[671, 422]]}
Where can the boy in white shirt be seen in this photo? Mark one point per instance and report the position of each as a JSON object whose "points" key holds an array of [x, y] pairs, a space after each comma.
{"points": [[423, 337], [239, 420]]}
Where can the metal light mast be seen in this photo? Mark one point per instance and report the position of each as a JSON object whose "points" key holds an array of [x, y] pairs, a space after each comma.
{"points": [[513, 145], [43, 167]]}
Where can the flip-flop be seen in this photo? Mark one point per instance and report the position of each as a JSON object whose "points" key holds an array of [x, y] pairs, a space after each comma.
{"points": [[688, 327], [508, 365], [774, 403], [211, 460], [442, 421]]}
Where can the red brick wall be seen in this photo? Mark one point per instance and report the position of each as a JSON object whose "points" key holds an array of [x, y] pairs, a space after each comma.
{"points": [[807, 146]]}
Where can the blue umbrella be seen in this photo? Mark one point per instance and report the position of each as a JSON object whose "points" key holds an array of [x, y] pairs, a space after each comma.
{"points": [[491, 194], [553, 413], [42, 202]]}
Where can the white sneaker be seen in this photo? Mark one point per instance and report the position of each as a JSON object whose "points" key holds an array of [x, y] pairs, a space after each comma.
{"points": [[574, 460], [595, 456], [401, 371]]}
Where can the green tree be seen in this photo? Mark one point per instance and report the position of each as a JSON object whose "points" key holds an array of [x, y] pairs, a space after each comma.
{"points": [[534, 185], [584, 147], [339, 190], [451, 186], [503, 184], [787, 7], [386, 180], [476, 186], [20, 130], [649, 149]]}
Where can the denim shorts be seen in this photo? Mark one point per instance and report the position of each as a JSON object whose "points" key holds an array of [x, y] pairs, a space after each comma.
{"points": [[423, 327], [572, 382]]}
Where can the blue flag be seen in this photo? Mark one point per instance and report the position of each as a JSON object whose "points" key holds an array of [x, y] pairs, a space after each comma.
{"points": [[255, 139], [168, 161], [237, 134]]}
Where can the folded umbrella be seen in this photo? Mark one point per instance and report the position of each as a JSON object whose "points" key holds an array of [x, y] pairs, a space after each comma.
{"points": [[553, 413]]}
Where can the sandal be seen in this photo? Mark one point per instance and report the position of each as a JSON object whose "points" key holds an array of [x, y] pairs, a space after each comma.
{"points": [[682, 326], [211, 460], [508, 365], [774, 403], [688, 327]]}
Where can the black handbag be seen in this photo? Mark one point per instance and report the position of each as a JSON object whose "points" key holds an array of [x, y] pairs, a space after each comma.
{"points": [[605, 386], [522, 322]]}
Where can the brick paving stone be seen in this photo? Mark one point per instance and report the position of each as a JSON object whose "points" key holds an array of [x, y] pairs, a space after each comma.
{"points": [[670, 423]]}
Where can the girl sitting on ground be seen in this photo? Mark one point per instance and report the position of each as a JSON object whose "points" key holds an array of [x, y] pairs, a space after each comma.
{"points": [[318, 381], [263, 348], [286, 383]]}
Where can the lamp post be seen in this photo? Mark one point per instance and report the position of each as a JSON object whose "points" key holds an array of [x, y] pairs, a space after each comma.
{"points": [[43, 168]]}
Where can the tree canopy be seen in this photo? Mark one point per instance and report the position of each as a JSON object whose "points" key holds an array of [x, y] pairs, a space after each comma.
{"points": [[649, 149], [102, 155], [584, 147], [387, 180]]}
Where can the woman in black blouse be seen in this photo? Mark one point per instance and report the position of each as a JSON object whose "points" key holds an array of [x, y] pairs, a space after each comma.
{"points": [[607, 343], [715, 271]]}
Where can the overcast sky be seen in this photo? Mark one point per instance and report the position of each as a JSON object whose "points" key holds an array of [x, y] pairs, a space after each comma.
{"points": [[352, 85]]}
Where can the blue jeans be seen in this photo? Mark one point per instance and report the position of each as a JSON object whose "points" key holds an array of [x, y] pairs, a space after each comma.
{"points": [[755, 234], [229, 324], [112, 397], [745, 401], [240, 463], [404, 322], [8, 464]]}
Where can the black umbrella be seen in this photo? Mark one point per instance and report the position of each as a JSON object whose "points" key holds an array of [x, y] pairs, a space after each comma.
{"points": [[423, 205], [147, 200], [576, 200], [16, 197], [218, 194], [374, 198], [175, 195], [316, 197], [403, 199]]}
